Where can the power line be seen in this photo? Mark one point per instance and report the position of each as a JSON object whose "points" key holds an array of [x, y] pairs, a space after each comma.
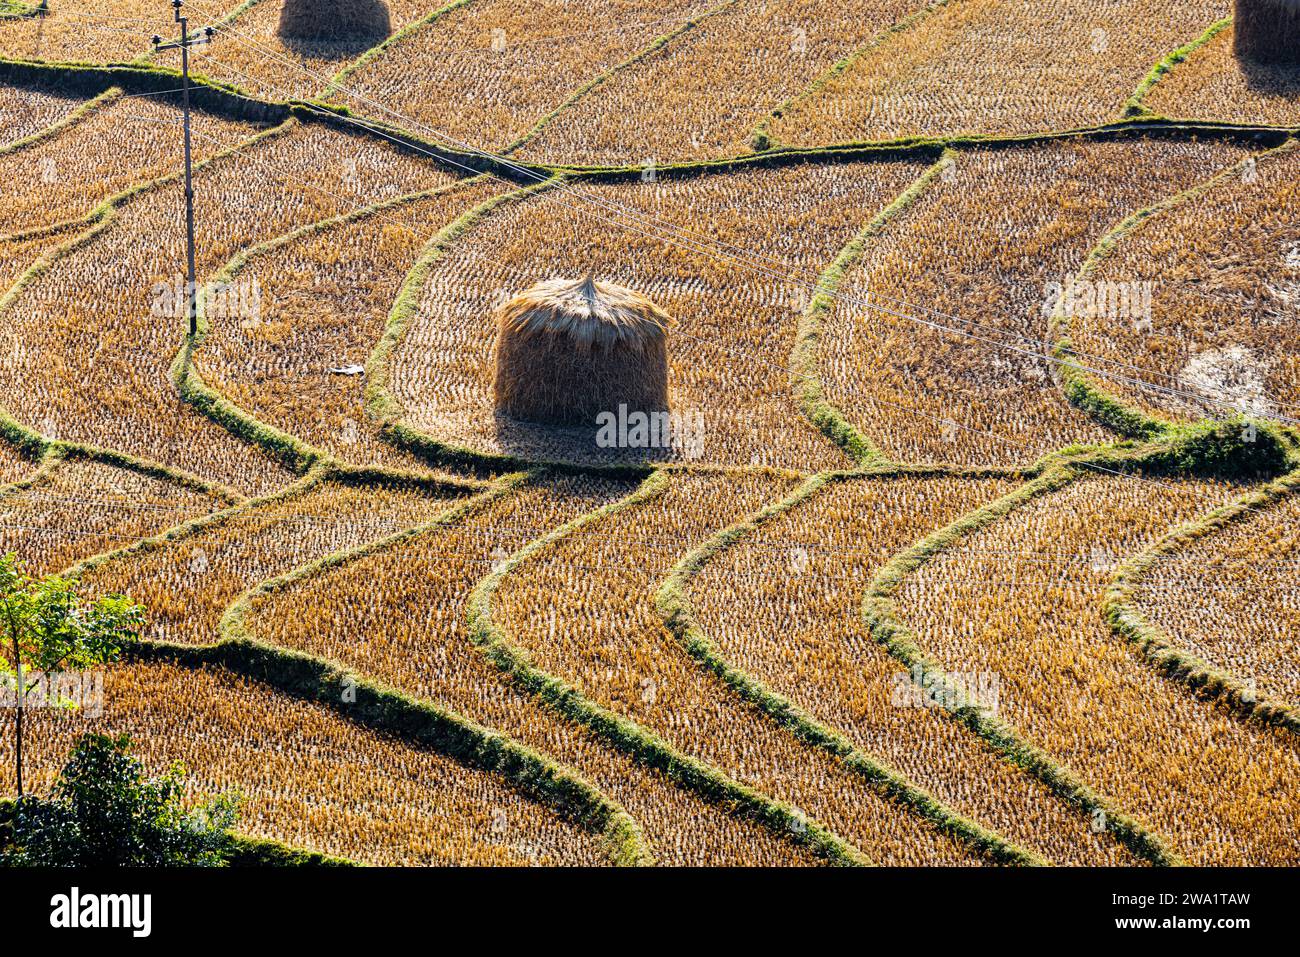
{"points": [[1002, 438], [869, 397]]}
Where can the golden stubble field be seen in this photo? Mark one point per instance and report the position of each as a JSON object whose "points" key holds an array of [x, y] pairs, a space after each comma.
{"points": [[911, 462]]}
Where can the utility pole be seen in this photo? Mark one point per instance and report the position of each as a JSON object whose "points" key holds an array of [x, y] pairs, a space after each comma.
{"points": [[183, 44]]}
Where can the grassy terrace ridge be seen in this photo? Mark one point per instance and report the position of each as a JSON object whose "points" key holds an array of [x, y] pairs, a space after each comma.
{"points": [[296, 454], [1161, 649], [376, 706], [1073, 372], [228, 100], [628, 736], [762, 139], [805, 371], [13, 10], [46, 452], [379, 49], [655, 45], [94, 104], [1148, 444], [880, 615], [1135, 105], [710, 785], [1190, 456], [381, 405], [55, 454], [678, 614], [92, 225]]}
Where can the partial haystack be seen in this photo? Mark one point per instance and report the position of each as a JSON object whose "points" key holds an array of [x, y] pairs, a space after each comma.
{"points": [[1267, 31], [568, 350], [334, 20]]}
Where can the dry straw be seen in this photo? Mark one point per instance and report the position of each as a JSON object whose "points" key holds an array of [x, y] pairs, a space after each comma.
{"points": [[1267, 31], [334, 19], [568, 350]]}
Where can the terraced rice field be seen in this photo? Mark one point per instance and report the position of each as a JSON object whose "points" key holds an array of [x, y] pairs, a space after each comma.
{"points": [[82, 31], [781, 604], [189, 578], [950, 365], [965, 69], [735, 318], [309, 776], [432, 655], [486, 72], [1223, 264], [277, 365], [1225, 591], [253, 57], [136, 319], [15, 465], [29, 109], [77, 509], [1213, 84], [725, 73], [1021, 599], [83, 165], [975, 544], [614, 649]]}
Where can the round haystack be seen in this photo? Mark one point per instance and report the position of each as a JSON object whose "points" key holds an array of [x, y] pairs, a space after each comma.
{"points": [[568, 350], [334, 20], [1267, 31]]}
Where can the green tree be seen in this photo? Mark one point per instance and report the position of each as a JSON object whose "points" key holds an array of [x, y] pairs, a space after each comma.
{"points": [[46, 625], [104, 812]]}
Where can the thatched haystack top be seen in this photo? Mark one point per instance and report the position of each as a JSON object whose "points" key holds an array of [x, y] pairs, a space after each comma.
{"points": [[1267, 31], [587, 312], [334, 20]]}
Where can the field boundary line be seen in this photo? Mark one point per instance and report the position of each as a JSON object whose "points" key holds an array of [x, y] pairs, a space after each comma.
{"points": [[1126, 618], [200, 523], [379, 49], [420, 724], [290, 449], [678, 614], [761, 137], [1135, 105], [580, 94], [41, 232], [228, 100], [380, 404], [17, 11], [413, 720], [880, 613], [319, 474], [805, 357], [95, 223], [57, 454], [642, 745], [49, 460], [110, 96], [1081, 391], [143, 77], [36, 447]]}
